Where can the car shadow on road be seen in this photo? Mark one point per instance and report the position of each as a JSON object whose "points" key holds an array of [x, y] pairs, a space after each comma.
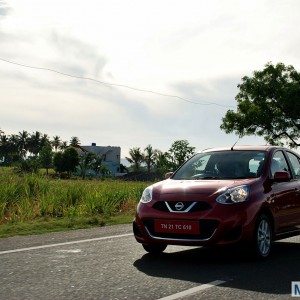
{"points": [[202, 265]]}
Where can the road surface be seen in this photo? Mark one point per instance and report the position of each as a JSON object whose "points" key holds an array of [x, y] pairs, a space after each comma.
{"points": [[107, 263]]}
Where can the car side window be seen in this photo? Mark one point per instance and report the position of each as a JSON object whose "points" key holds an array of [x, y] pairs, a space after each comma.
{"points": [[279, 163], [295, 164]]}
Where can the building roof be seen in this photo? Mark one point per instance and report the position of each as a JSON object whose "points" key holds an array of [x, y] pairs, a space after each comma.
{"points": [[99, 150]]}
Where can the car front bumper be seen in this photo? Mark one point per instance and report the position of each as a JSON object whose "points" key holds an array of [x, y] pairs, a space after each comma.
{"points": [[222, 224]]}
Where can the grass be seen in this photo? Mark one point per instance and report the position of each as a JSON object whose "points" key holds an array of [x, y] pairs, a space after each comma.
{"points": [[37, 204], [39, 226]]}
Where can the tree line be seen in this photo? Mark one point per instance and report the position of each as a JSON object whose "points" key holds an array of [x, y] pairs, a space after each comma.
{"points": [[15, 147], [158, 161], [31, 151]]}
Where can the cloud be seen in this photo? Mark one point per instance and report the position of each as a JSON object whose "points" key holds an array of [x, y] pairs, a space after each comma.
{"points": [[4, 8], [201, 123], [219, 90], [53, 51], [77, 57], [68, 55], [67, 107]]}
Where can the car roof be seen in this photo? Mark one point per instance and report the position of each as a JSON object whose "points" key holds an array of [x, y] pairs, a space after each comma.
{"points": [[242, 148]]}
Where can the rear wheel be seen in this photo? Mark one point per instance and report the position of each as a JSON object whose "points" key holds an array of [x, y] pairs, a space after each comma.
{"points": [[263, 237], [155, 249]]}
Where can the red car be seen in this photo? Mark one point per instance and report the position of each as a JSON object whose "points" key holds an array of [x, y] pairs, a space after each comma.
{"points": [[223, 196]]}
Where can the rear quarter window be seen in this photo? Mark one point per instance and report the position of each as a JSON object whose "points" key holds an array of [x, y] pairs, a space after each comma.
{"points": [[295, 164]]}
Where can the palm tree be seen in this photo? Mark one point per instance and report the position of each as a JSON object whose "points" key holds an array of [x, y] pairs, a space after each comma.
{"points": [[34, 143], [162, 162], [63, 145], [56, 142], [23, 142], [13, 148], [149, 157], [45, 141], [74, 142], [136, 158]]}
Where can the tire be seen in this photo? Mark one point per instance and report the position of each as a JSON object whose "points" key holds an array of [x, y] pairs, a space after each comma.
{"points": [[155, 249], [262, 243]]}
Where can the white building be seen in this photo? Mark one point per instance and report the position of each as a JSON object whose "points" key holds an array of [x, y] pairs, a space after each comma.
{"points": [[111, 156]]}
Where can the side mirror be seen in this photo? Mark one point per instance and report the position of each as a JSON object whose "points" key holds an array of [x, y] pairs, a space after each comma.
{"points": [[168, 175], [281, 176]]}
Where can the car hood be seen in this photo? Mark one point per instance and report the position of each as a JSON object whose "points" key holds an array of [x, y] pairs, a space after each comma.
{"points": [[201, 187]]}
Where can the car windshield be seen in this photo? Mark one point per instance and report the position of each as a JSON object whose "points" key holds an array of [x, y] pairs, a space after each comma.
{"points": [[234, 164]]}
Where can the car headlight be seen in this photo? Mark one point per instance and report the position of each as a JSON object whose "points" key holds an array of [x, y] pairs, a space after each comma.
{"points": [[234, 195], [147, 195]]}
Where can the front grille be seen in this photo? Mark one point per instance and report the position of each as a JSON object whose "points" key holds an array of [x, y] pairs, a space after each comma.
{"points": [[207, 228], [199, 206], [160, 205]]}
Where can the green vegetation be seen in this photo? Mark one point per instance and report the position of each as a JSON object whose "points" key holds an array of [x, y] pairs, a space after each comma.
{"points": [[160, 162], [29, 152], [268, 104], [66, 161], [43, 186], [35, 204]]}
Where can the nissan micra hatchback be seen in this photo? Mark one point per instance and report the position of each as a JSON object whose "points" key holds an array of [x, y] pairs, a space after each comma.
{"points": [[223, 196]]}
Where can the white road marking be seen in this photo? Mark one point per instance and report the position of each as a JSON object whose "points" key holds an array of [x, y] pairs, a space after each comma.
{"points": [[66, 243], [193, 290], [69, 251]]}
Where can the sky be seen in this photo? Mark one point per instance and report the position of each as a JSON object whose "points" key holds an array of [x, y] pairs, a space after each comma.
{"points": [[198, 50]]}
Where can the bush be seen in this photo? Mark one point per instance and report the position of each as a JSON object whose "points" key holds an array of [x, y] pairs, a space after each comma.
{"points": [[66, 161], [30, 165]]}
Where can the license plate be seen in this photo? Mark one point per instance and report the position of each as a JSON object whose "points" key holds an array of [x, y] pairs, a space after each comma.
{"points": [[170, 226]]}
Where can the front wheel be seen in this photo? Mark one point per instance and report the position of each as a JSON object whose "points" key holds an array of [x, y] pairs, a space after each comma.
{"points": [[155, 249], [263, 237]]}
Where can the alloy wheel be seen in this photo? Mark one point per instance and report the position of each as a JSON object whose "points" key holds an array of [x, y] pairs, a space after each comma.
{"points": [[263, 237]]}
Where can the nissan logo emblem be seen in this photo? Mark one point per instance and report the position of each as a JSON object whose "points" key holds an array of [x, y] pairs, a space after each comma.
{"points": [[179, 206]]}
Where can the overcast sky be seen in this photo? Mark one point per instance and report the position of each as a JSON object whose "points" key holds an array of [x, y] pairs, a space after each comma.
{"points": [[198, 50]]}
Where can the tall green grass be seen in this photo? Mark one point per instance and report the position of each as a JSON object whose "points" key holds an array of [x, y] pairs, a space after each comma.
{"points": [[29, 197]]}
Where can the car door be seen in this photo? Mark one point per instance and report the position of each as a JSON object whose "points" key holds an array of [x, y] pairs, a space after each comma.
{"points": [[282, 194], [294, 161]]}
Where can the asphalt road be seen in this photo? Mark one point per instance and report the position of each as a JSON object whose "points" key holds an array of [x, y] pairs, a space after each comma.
{"points": [[111, 265]]}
